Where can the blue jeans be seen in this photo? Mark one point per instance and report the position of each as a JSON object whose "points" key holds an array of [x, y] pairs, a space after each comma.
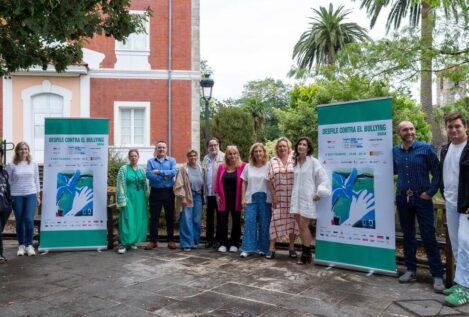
{"points": [[24, 208], [190, 221], [423, 210], [257, 216]]}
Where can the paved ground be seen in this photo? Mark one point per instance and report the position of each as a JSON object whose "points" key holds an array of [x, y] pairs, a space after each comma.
{"points": [[201, 283]]}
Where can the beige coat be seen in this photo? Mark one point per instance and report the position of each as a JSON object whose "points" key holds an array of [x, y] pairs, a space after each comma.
{"points": [[182, 187], [219, 160]]}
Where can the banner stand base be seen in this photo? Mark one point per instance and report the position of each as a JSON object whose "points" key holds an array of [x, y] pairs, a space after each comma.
{"points": [[346, 266], [62, 249]]}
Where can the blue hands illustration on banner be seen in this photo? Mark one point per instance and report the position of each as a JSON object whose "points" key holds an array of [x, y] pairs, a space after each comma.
{"points": [[353, 200], [74, 195]]}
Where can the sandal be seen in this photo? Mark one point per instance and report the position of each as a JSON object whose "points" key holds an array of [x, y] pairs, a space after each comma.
{"points": [[270, 255]]}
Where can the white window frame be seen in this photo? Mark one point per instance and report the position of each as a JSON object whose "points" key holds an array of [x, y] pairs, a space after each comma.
{"points": [[118, 106], [133, 51], [27, 94]]}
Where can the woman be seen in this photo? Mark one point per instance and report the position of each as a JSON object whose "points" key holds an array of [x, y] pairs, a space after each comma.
{"points": [[5, 203], [257, 202], [228, 191], [188, 189], [310, 184], [280, 177], [25, 191], [132, 200]]}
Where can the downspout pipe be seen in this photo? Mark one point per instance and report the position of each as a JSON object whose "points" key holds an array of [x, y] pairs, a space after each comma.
{"points": [[170, 65]]}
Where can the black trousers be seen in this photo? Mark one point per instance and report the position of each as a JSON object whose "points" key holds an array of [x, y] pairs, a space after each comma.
{"points": [[161, 197], [212, 210], [222, 225], [4, 215]]}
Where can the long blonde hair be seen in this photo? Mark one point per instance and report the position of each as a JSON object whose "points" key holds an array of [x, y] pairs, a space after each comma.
{"points": [[232, 148], [17, 158], [252, 159]]}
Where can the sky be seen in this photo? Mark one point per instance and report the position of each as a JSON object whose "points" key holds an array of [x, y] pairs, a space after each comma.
{"points": [[245, 40]]}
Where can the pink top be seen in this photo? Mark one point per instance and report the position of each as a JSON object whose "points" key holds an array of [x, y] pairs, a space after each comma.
{"points": [[220, 190]]}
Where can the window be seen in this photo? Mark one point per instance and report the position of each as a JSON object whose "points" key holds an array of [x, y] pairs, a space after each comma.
{"points": [[136, 42], [131, 123], [44, 106]]}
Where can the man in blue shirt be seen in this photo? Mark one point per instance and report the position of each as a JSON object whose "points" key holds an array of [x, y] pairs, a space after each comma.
{"points": [[414, 161], [161, 171]]}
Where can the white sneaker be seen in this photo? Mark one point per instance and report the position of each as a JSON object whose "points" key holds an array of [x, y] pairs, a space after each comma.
{"points": [[30, 250], [244, 254], [233, 249], [222, 248], [21, 250], [121, 250], [133, 247]]}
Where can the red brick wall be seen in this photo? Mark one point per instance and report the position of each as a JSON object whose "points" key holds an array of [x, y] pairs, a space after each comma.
{"points": [[181, 37], [105, 91]]}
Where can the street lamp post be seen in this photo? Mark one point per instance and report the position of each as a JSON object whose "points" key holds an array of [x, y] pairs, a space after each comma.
{"points": [[207, 84]]}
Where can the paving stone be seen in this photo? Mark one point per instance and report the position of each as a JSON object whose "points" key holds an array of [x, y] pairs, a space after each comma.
{"points": [[200, 305], [142, 299], [121, 311], [426, 307], [242, 307], [179, 292], [29, 308], [203, 283]]}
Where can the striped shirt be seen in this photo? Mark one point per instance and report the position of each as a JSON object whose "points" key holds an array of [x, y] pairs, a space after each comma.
{"points": [[24, 178], [413, 167]]}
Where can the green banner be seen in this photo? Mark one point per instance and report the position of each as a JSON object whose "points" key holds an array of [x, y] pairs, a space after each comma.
{"points": [[355, 226], [74, 205]]}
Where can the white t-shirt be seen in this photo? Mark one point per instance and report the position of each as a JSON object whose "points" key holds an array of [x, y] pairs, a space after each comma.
{"points": [[256, 181], [451, 172], [24, 178]]}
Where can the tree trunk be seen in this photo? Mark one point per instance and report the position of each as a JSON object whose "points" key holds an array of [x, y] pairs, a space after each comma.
{"points": [[428, 24]]}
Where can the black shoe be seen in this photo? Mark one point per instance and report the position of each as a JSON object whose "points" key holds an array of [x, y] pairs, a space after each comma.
{"points": [[292, 254], [306, 257], [208, 244]]}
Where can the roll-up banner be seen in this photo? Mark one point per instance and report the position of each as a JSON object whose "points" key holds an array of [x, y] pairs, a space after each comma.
{"points": [[356, 226], [74, 207]]}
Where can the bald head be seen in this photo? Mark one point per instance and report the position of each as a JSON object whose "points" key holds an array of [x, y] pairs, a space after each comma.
{"points": [[406, 131], [404, 123]]}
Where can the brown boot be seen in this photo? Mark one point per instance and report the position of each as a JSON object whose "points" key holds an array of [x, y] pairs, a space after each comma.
{"points": [[172, 245], [151, 245]]}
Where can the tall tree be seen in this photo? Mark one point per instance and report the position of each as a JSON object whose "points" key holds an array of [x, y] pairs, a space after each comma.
{"points": [[327, 35], [423, 13], [44, 32], [259, 98]]}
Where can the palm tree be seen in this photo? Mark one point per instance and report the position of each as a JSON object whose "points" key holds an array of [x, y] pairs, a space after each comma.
{"points": [[424, 11], [328, 35]]}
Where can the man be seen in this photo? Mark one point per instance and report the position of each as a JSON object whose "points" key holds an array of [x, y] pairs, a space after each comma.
{"points": [[210, 166], [413, 162], [161, 171], [455, 166]]}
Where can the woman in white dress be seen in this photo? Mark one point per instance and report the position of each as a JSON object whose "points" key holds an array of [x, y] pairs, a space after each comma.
{"points": [[310, 184]]}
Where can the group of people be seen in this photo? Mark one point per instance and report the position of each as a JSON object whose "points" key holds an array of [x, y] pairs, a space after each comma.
{"points": [[278, 197], [414, 162]]}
